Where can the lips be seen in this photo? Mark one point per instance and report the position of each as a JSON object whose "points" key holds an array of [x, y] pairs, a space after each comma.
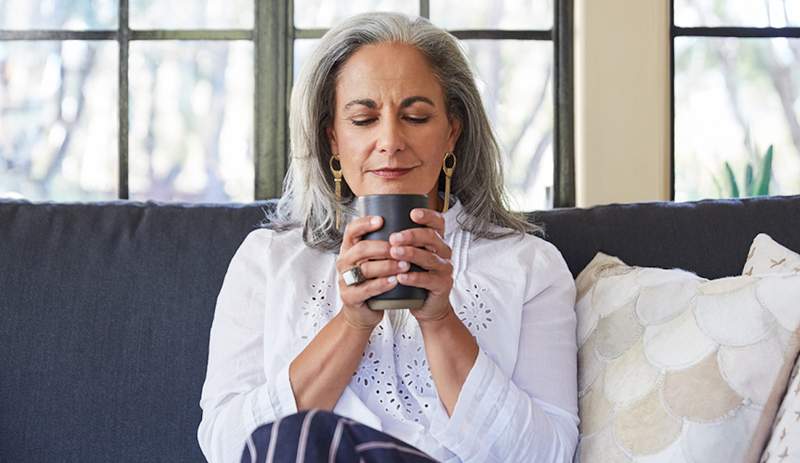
{"points": [[390, 173]]}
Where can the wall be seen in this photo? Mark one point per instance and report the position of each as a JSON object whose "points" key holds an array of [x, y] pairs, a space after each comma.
{"points": [[621, 101]]}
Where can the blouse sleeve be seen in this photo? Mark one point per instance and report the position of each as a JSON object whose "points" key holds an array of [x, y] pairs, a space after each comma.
{"points": [[531, 416], [237, 396]]}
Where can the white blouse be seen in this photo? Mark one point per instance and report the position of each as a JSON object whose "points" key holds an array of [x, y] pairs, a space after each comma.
{"points": [[515, 295]]}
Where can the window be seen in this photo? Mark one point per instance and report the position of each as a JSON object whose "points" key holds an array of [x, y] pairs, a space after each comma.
{"points": [[140, 99], [736, 98]]}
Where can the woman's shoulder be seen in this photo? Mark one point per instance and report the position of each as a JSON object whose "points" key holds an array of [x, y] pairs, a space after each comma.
{"points": [[268, 237], [513, 242], [280, 245]]}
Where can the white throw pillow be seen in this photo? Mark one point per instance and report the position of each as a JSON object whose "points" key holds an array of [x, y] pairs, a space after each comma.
{"points": [[677, 368], [767, 257]]}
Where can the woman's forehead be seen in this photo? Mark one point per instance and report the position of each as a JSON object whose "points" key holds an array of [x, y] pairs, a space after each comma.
{"points": [[386, 70]]}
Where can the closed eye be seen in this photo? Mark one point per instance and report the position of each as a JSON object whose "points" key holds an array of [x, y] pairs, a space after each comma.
{"points": [[368, 121], [417, 120], [362, 122]]}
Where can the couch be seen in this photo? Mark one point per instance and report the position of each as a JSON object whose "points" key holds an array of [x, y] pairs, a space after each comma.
{"points": [[105, 308]]}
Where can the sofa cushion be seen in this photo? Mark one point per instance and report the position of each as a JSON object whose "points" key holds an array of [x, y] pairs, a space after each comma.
{"points": [[106, 310], [676, 367]]}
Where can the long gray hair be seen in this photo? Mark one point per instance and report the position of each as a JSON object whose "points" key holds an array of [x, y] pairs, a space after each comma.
{"points": [[308, 198]]}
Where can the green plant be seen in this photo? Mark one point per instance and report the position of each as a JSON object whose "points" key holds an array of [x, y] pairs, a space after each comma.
{"points": [[756, 178]]}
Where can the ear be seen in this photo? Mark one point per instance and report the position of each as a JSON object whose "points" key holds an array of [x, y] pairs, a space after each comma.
{"points": [[332, 140], [455, 132]]}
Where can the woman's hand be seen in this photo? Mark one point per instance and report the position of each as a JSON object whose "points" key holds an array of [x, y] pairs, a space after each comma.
{"points": [[379, 269], [426, 248]]}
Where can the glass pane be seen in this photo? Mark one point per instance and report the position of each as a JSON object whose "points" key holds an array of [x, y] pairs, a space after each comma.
{"points": [[743, 13], [191, 133], [58, 14], [516, 83], [734, 98], [192, 14], [58, 120], [504, 14], [312, 14], [302, 50]]}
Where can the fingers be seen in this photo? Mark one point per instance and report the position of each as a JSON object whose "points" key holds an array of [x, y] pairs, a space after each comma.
{"points": [[358, 228], [435, 282], [361, 251], [427, 238], [423, 258], [429, 218], [382, 268], [356, 295]]}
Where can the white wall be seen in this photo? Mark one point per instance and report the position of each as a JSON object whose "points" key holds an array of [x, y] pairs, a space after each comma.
{"points": [[621, 101]]}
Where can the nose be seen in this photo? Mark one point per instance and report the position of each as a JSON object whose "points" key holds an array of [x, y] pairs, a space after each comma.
{"points": [[390, 136]]}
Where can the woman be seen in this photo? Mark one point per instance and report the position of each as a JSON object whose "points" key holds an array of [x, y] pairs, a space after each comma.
{"points": [[485, 370]]}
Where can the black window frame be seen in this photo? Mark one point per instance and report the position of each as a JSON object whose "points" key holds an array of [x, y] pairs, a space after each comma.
{"points": [[273, 36]]}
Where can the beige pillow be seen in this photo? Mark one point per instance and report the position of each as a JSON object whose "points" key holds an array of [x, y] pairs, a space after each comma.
{"points": [[674, 367], [768, 257]]}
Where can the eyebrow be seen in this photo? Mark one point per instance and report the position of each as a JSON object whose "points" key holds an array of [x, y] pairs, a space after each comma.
{"points": [[369, 103]]}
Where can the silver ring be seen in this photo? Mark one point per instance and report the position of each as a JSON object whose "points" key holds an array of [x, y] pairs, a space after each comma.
{"points": [[353, 276]]}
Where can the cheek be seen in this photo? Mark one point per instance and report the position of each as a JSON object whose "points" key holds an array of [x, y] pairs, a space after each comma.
{"points": [[352, 141], [431, 145]]}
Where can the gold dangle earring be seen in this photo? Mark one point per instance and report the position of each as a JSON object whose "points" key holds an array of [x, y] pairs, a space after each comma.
{"points": [[448, 175], [337, 179]]}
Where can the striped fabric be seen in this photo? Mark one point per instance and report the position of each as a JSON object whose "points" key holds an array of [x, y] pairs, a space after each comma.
{"points": [[313, 436]]}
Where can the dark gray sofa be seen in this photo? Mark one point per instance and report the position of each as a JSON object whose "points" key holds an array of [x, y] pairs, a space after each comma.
{"points": [[105, 308]]}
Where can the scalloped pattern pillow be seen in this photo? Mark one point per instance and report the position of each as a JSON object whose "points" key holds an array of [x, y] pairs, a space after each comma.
{"points": [[676, 368], [767, 257]]}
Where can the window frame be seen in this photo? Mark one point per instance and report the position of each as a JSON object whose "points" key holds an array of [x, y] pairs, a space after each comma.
{"points": [[273, 35], [738, 32]]}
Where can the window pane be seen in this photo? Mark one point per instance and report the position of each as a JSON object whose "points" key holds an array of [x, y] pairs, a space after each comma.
{"points": [[516, 83], [744, 13], [58, 120], [58, 14], [302, 50], [733, 99], [191, 131], [192, 14], [504, 14], [311, 14]]}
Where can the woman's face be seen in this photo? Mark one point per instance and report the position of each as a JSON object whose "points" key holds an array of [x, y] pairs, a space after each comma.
{"points": [[390, 126]]}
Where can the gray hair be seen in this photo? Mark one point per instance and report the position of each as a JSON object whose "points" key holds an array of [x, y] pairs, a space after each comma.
{"points": [[308, 198]]}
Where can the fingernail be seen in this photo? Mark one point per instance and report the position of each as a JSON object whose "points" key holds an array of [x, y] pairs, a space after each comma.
{"points": [[395, 237], [375, 220], [403, 265], [397, 251], [416, 214], [392, 279]]}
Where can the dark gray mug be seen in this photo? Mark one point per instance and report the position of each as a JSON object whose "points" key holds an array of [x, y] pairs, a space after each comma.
{"points": [[395, 210]]}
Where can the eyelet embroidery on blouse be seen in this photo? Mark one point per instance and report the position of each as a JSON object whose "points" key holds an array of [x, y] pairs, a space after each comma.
{"points": [[317, 310], [475, 313], [369, 369], [411, 405], [416, 374], [389, 385], [416, 387]]}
